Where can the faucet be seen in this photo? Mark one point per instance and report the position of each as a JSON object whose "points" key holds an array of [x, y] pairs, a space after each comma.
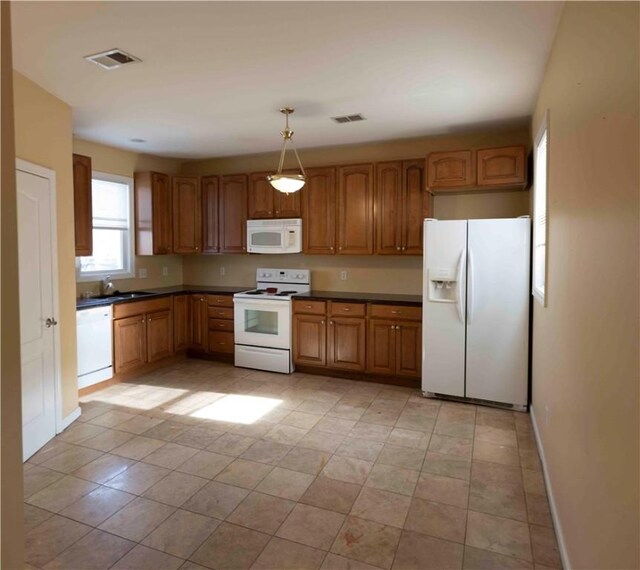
{"points": [[106, 286]]}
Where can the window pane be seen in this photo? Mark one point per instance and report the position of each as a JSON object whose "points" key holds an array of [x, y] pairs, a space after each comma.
{"points": [[108, 252], [110, 203]]}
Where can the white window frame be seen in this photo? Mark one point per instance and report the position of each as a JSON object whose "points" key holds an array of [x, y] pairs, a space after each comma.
{"points": [[540, 293], [130, 270]]}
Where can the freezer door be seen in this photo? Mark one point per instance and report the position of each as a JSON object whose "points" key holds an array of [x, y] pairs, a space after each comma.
{"points": [[498, 310], [443, 310]]}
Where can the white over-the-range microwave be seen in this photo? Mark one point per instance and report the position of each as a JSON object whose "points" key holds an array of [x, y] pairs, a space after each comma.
{"points": [[274, 236]]}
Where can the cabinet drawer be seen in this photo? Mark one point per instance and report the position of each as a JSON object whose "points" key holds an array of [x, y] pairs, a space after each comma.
{"points": [[347, 309], [220, 300], [395, 312], [121, 310], [220, 313], [221, 342], [220, 325], [309, 307]]}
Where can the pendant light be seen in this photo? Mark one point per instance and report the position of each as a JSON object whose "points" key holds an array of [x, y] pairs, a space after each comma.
{"points": [[287, 183]]}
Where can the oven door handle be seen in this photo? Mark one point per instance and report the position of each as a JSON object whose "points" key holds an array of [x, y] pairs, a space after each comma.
{"points": [[244, 304]]}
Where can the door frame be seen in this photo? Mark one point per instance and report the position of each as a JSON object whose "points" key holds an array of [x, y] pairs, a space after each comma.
{"points": [[50, 176]]}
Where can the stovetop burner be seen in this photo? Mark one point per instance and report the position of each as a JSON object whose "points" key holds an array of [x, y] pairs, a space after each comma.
{"points": [[256, 292], [285, 293]]}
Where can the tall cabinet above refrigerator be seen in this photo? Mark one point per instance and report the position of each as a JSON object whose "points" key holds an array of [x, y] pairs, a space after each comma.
{"points": [[476, 309]]}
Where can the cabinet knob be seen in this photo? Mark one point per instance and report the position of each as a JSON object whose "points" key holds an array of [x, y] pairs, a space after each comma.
{"points": [[143, 319], [403, 248], [340, 248], [322, 322], [270, 212], [398, 248], [197, 248], [277, 211], [331, 323], [332, 248], [397, 327]]}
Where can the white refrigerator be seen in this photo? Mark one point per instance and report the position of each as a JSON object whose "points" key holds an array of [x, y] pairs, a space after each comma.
{"points": [[476, 309]]}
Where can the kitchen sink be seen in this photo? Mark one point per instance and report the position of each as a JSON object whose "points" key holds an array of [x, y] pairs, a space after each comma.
{"points": [[127, 295]]}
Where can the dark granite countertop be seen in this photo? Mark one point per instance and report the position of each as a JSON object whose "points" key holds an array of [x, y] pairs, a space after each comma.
{"points": [[159, 292], [349, 297]]}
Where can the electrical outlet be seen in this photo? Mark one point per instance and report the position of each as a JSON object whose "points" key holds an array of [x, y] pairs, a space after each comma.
{"points": [[222, 271], [142, 273], [343, 276], [165, 271]]}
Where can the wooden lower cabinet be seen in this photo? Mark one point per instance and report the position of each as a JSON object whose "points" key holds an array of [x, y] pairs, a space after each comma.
{"points": [[381, 343], [220, 325], [408, 349], [181, 322], [221, 342], [130, 343], [346, 343], [310, 340], [199, 325], [159, 335]]}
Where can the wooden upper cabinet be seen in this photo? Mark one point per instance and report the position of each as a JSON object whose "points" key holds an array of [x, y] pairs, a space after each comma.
{"points": [[233, 213], [82, 204], [153, 207], [287, 205], [261, 197], [187, 219], [389, 207], [210, 218], [416, 206], [505, 166], [451, 170], [319, 211], [355, 210]]}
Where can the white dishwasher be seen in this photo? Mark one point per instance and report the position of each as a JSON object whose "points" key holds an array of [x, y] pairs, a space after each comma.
{"points": [[95, 345]]}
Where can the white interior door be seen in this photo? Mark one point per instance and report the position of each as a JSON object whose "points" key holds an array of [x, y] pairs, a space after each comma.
{"points": [[443, 309], [36, 273], [498, 310]]}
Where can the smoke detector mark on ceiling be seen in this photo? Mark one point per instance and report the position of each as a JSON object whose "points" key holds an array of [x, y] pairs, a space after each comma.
{"points": [[112, 59], [349, 118]]}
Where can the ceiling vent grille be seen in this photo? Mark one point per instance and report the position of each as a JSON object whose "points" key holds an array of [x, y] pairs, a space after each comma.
{"points": [[112, 59], [348, 118]]}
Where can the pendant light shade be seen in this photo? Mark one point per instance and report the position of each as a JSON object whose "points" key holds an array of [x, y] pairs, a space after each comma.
{"points": [[287, 183]]}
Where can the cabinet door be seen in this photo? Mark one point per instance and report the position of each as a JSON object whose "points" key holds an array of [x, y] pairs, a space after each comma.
{"points": [[451, 170], [502, 166], [409, 349], [309, 340], [413, 206], [161, 213], [210, 224], [346, 343], [187, 224], [233, 214], [159, 335], [82, 204], [181, 322], [319, 211], [261, 197], [381, 347], [355, 210], [129, 343], [389, 207], [287, 205], [199, 322]]}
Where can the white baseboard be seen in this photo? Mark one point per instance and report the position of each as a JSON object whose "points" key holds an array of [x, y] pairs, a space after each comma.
{"points": [[564, 555], [72, 417]]}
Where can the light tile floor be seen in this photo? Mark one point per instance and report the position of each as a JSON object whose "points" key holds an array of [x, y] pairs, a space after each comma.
{"points": [[202, 465]]}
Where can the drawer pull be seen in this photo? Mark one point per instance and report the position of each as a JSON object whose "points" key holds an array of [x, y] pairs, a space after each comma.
{"points": [[346, 308], [396, 312], [308, 307]]}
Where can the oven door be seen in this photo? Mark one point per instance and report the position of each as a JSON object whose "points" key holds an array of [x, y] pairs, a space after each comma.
{"points": [[263, 322]]}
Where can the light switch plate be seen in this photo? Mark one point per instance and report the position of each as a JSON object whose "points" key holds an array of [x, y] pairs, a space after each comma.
{"points": [[142, 273], [165, 271], [343, 276]]}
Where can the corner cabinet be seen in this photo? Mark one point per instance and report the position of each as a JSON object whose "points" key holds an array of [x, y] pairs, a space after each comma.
{"points": [[187, 214], [319, 211], [354, 234], [153, 208], [82, 205], [233, 213]]}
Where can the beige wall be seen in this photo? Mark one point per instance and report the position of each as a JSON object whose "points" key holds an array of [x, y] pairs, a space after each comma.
{"points": [[124, 163], [11, 513], [585, 342], [43, 136], [377, 273]]}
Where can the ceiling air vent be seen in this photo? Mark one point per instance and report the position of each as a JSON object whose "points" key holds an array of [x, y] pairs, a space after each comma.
{"points": [[111, 59], [348, 118]]}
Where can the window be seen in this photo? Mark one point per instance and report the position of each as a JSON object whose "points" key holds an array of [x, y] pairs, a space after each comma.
{"points": [[540, 218], [112, 240]]}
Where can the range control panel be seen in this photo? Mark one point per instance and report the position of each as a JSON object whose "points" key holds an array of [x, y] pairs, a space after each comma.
{"points": [[301, 276]]}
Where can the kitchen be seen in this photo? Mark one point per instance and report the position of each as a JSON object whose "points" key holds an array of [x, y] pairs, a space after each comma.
{"points": [[285, 369]]}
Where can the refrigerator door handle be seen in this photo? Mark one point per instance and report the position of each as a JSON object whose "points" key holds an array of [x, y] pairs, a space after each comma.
{"points": [[470, 288], [459, 297]]}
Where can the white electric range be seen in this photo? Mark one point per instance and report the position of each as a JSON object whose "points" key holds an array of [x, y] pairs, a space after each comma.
{"points": [[263, 319]]}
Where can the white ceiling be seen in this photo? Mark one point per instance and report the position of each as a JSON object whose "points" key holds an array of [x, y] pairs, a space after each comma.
{"points": [[213, 74]]}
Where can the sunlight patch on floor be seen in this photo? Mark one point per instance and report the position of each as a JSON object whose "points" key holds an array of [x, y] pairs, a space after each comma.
{"points": [[237, 409]]}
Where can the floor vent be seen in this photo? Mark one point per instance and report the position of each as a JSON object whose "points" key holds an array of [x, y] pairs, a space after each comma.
{"points": [[348, 118], [112, 59]]}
